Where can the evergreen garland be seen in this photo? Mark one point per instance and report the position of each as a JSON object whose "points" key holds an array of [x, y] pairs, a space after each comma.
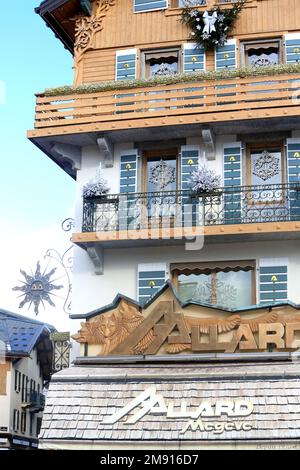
{"points": [[224, 21]]}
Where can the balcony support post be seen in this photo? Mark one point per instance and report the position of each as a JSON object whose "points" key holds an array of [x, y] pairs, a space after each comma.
{"points": [[96, 255]]}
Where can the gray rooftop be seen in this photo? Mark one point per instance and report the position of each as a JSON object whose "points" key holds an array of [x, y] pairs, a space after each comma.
{"points": [[80, 398]]}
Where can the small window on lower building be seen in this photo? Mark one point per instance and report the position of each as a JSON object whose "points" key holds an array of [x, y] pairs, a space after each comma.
{"points": [[226, 284], [160, 62], [16, 415], [38, 425], [261, 53], [31, 423], [23, 422]]}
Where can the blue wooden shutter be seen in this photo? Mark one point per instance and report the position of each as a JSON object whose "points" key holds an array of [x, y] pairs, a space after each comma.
{"points": [[273, 280], [193, 58], [190, 155], [189, 162], [126, 64], [139, 6], [232, 177], [225, 56], [292, 48], [151, 277], [128, 173], [293, 166]]}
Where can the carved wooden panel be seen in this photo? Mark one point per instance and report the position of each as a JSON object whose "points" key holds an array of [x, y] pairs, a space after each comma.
{"points": [[166, 328]]}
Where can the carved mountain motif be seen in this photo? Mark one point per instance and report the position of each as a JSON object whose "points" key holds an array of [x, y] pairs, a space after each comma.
{"points": [[163, 329]]}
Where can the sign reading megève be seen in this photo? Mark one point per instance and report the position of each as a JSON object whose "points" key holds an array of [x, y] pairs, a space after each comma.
{"points": [[150, 402]]}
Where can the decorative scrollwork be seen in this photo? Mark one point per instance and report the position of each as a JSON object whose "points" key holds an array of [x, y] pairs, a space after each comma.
{"points": [[162, 175], [86, 27], [230, 205], [266, 166]]}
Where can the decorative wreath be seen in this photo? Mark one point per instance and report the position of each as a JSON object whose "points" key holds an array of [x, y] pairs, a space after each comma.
{"points": [[211, 28]]}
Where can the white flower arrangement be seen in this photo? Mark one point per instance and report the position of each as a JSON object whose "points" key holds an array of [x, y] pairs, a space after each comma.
{"points": [[204, 180], [97, 186]]}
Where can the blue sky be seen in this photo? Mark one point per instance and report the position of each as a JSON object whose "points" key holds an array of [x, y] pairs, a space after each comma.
{"points": [[34, 192]]}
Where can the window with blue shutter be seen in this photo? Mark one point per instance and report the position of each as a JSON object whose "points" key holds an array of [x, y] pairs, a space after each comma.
{"points": [[128, 173], [225, 56], [140, 6], [293, 166], [232, 165], [126, 64], [151, 277], [273, 281], [190, 155], [128, 186], [189, 162], [193, 58], [292, 48]]}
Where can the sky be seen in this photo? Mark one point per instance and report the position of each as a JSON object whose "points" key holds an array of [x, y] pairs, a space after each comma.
{"points": [[35, 194]]}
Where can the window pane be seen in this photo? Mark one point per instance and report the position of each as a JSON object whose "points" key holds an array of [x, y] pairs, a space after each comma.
{"points": [[234, 289], [161, 174], [195, 286], [228, 289]]}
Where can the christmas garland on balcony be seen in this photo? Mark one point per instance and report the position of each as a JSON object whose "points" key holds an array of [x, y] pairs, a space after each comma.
{"points": [[211, 28]]}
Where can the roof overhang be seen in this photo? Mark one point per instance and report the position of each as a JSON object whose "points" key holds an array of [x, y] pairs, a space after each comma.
{"points": [[57, 15]]}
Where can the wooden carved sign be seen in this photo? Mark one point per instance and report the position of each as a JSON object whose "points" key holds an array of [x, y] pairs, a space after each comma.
{"points": [[167, 328]]}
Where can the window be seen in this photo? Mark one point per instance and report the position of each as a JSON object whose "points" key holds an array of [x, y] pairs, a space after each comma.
{"points": [[160, 170], [261, 53], [188, 3], [160, 62], [17, 381], [265, 169], [38, 425], [23, 422], [227, 284], [23, 387], [31, 423], [16, 420]]}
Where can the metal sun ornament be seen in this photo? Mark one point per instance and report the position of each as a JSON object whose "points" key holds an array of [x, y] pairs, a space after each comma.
{"points": [[38, 288], [162, 175]]}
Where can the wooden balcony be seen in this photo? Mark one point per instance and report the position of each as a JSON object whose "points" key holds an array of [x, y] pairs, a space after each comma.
{"points": [[176, 215], [199, 102]]}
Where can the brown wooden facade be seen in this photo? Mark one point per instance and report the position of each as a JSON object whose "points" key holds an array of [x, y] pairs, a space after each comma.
{"points": [[123, 29]]}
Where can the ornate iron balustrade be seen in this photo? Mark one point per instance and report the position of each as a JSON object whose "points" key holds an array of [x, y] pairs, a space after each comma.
{"points": [[226, 206]]}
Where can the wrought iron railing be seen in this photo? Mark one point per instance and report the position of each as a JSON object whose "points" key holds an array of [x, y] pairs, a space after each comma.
{"points": [[37, 400], [228, 205]]}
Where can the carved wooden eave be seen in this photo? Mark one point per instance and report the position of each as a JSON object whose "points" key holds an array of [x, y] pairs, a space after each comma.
{"points": [[165, 326], [87, 26]]}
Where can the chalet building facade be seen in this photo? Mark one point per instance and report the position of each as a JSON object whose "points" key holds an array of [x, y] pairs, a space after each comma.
{"points": [[25, 368], [149, 110]]}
